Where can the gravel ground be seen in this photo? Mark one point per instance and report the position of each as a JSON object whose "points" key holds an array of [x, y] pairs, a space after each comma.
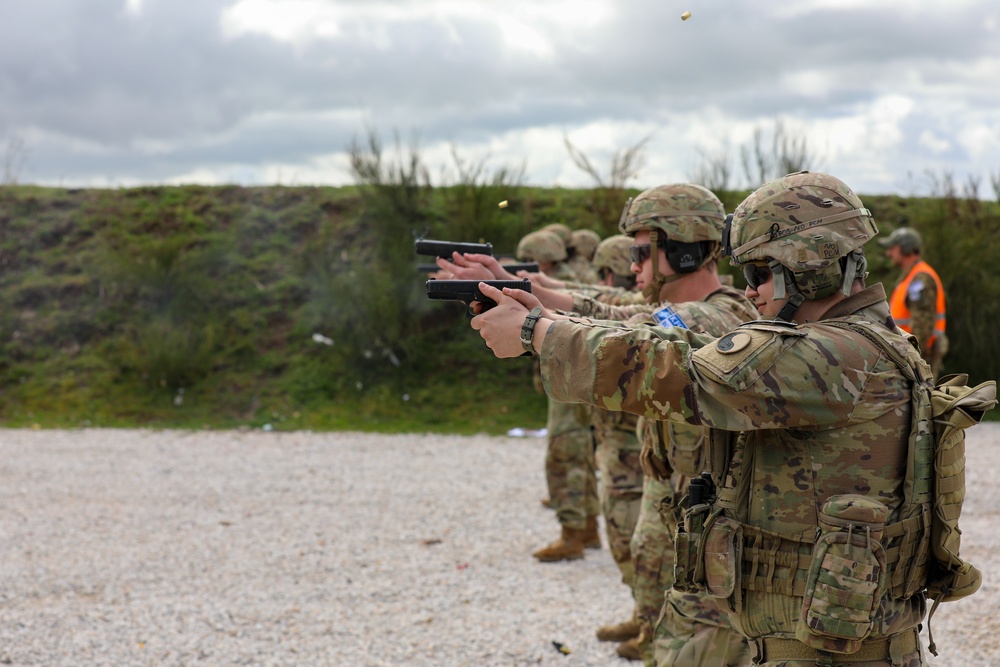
{"points": [[126, 547]]}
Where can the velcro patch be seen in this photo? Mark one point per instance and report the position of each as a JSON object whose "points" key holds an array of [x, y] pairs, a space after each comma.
{"points": [[740, 357]]}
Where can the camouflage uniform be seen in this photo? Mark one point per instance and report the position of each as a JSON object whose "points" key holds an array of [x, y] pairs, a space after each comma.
{"points": [[617, 452], [685, 214], [617, 459], [570, 473], [569, 464], [807, 415], [692, 622]]}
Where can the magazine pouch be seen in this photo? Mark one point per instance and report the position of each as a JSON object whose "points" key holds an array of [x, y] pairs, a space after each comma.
{"points": [[723, 560], [847, 575]]}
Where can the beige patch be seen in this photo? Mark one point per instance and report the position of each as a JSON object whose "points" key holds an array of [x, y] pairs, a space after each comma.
{"points": [[723, 363]]}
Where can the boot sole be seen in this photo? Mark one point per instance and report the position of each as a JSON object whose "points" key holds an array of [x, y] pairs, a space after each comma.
{"points": [[554, 559]]}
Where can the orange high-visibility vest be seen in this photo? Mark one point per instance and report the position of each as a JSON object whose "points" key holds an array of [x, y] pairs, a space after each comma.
{"points": [[901, 311]]}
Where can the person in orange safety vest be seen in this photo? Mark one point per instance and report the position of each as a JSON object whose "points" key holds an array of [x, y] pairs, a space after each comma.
{"points": [[917, 302]]}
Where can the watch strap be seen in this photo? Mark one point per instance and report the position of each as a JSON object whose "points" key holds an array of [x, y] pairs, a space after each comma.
{"points": [[528, 329]]}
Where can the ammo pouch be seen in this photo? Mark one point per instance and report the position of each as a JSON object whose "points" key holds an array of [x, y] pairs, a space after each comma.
{"points": [[847, 575], [689, 564], [723, 558], [670, 511], [684, 447]]}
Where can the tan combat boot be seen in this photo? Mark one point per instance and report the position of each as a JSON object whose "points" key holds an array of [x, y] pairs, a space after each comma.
{"points": [[630, 649], [569, 546], [591, 536], [620, 632]]}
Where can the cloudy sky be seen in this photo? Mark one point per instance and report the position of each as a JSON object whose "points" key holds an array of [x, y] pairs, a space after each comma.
{"points": [[110, 93]]}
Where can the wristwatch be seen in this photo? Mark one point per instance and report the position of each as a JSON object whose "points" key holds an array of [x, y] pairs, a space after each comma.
{"points": [[528, 329]]}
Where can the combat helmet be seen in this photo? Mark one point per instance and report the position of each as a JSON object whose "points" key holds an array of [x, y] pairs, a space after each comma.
{"points": [[809, 228], [564, 233], [541, 246], [585, 242], [907, 238], [685, 219], [615, 254]]}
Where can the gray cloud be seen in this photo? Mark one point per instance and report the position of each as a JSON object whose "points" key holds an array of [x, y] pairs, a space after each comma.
{"points": [[104, 95]]}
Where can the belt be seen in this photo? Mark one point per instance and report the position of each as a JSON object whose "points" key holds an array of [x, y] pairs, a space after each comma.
{"points": [[894, 648]]}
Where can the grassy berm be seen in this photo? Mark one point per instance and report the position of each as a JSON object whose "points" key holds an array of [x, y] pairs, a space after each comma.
{"points": [[300, 307]]}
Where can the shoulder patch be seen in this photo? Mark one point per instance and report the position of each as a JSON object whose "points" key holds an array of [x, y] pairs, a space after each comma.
{"points": [[668, 317], [740, 357], [915, 289], [733, 343]]}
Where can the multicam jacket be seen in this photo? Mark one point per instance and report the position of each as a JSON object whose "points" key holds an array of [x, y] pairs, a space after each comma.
{"points": [[821, 412], [717, 313]]}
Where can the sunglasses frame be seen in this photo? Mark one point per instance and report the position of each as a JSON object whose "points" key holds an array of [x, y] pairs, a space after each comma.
{"points": [[640, 252], [756, 274]]}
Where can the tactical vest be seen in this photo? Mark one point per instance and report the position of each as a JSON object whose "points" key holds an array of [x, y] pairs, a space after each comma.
{"points": [[854, 558], [901, 311]]}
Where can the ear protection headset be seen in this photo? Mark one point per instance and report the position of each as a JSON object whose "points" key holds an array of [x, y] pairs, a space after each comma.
{"points": [[685, 257]]}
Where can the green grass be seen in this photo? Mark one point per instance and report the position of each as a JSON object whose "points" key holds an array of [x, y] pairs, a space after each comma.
{"points": [[195, 307]]}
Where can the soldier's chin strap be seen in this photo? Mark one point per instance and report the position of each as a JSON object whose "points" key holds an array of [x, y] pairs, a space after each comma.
{"points": [[855, 266], [785, 288], [652, 290]]}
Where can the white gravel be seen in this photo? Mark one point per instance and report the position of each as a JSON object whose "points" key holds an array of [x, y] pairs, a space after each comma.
{"points": [[128, 547]]}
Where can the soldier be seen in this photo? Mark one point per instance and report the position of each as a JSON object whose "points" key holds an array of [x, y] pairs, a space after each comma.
{"points": [[813, 542], [677, 234], [546, 249], [569, 461], [578, 262], [917, 302], [680, 281], [585, 242], [613, 262], [617, 453]]}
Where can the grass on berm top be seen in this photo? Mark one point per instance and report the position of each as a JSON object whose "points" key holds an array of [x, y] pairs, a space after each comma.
{"points": [[300, 308]]}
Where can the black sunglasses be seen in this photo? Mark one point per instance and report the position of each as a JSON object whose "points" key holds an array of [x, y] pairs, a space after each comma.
{"points": [[756, 274], [641, 252]]}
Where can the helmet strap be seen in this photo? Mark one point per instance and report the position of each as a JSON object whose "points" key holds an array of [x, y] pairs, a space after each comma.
{"points": [[652, 290], [787, 311], [855, 266], [779, 280], [785, 288]]}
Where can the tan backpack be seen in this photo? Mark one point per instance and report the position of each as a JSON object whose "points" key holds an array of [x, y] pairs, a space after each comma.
{"points": [[935, 480]]}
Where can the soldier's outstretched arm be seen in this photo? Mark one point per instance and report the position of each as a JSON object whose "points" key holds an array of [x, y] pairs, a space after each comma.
{"points": [[748, 379], [542, 280]]}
